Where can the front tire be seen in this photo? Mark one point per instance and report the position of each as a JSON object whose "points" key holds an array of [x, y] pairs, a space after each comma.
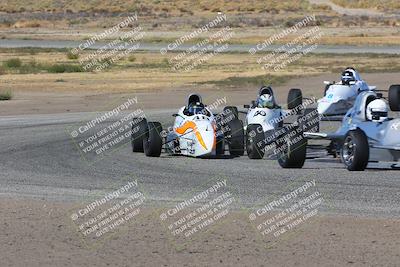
{"points": [[394, 97], [355, 151], [152, 143], [255, 141], [236, 138], [295, 98], [139, 129], [292, 150]]}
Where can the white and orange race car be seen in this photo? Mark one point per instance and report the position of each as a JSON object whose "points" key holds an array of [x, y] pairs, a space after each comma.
{"points": [[196, 132]]}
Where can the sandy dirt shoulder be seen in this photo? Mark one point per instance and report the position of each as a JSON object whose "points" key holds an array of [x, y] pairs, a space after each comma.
{"points": [[39, 233], [30, 98]]}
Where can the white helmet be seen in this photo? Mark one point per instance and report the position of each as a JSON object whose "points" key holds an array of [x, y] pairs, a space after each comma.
{"points": [[266, 101], [377, 110]]}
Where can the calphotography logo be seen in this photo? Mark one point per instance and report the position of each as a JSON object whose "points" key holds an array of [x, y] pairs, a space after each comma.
{"points": [[194, 34], [217, 42], [122, 44], [293, 50], [107, 131], [198, 212], [108, 214], [282, 216]]}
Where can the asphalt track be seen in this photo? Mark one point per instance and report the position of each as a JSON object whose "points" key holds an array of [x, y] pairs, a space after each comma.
{"points": [[321, 49], [39, 159]]}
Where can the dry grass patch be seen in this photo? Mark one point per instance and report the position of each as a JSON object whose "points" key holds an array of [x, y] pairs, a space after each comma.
{"points": [[371, 4], [5, 95], [150, 71], [155, 7]]}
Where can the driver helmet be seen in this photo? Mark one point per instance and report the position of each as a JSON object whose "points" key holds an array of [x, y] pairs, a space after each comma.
{"points": [[196, 108], [348, 76], [265, 101], [377, 110]]}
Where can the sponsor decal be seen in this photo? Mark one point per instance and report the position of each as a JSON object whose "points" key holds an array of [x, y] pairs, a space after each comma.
{"points": [[191, 125]]}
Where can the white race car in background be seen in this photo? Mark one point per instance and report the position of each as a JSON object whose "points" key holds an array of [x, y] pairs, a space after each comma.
{"points": [[196, 133], [339, 97]]}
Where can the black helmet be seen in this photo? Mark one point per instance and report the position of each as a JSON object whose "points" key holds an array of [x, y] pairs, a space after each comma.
{"points": [[196, 108], [348, 76], [194, 98]]}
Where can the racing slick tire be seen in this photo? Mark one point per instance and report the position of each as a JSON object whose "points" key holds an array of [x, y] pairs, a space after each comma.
{"points": [[235, 138], [231, 110], [255, 141], [295, 98], [139, 128], [220, 148], [152, 143], [394, 97], [355, 151], [292, 155]]}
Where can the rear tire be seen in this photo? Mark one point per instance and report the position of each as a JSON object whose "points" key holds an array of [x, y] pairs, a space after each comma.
{"points": [[236, 138], [292, 155], [139, 129], [255, 141], [394, 97], [355, 151], [231, 110], [152, 143], [295, 98], [220, 148]]}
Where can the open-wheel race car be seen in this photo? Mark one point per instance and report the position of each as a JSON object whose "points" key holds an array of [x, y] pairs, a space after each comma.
{"points": [[367, 133], [263, 117], [340, 96], [196, 132], [268, 127]]}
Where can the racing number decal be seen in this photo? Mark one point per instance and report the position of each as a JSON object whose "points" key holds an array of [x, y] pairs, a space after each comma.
{"points": [[260, 112]]}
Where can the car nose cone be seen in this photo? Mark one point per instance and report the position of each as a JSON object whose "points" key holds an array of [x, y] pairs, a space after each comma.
{"points": [[323, 108]]}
